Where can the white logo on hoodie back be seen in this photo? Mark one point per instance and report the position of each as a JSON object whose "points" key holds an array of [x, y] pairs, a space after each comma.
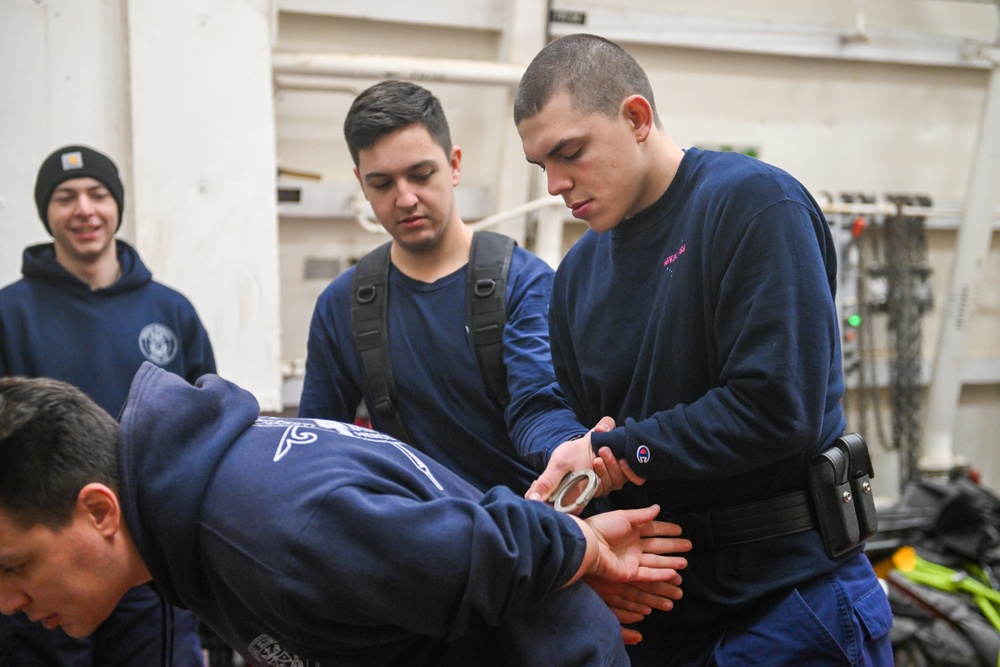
{"points": [[298, 433], [268, 651]]}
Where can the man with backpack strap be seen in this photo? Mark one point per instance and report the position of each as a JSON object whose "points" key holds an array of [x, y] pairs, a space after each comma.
{"points": [[422, 358], [400, 337], [485, 299]]}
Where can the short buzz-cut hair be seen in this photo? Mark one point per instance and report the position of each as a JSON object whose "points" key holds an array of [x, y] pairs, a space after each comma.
{"points": [[389, 106], [596, 73], [54, 440]]}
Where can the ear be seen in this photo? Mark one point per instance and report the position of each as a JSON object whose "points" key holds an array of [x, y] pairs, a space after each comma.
{"points": [[638, 112], [99, 506], [456, 165]]}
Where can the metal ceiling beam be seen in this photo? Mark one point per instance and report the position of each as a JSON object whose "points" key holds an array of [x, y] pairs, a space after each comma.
{"points": [[693, 31]]}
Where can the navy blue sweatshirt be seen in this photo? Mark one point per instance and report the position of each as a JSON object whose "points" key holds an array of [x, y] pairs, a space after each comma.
{"points": [[440, 390], [706, 327], [326, 543], [53, 325]]}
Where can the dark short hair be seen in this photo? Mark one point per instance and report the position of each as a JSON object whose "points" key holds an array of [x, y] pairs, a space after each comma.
{"points": [[596, 73], [54, 440], [389, 106]]}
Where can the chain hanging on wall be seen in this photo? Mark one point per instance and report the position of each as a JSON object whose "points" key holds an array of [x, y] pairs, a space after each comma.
{"points": [[909, 298]]}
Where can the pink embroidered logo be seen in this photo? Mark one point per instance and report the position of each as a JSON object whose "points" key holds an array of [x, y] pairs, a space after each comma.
{"points": [[673, 258]]}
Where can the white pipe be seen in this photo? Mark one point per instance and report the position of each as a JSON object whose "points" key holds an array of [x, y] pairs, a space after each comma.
{"points": [[549, 235], [359, 204], [887, 209], [533, 205], [313, 83], [393, 67]]}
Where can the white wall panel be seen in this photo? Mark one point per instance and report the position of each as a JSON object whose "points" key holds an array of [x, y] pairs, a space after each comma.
{"points": [[204, 161], [63, 80]]}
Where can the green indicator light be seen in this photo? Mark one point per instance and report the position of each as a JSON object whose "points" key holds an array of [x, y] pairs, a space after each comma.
{"points": [[854, 320]]}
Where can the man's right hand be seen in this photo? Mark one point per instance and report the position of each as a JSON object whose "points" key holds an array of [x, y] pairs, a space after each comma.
{"points": [[569, 456]]}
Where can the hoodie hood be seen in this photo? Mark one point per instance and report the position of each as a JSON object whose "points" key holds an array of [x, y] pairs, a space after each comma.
{"points": [[173, 435], [39, 262]]}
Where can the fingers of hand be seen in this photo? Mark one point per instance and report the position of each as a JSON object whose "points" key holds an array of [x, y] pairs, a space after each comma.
{"points": [[616, 477], [633, 603], [660, 529], [649, 595], [541, 488], [607, 482], [625, 616], [606, 424], [623, 599], [630, 636], [665, 545], [642, 515], [657, 593], [665, 562], [630, 474], [565, 458], [654, 573]]}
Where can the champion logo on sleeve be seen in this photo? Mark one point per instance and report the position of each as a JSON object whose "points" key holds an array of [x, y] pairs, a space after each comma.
{"points": [[642, 454]]}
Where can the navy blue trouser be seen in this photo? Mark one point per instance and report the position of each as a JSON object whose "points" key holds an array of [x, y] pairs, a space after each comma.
{"points": [[840, 619]]}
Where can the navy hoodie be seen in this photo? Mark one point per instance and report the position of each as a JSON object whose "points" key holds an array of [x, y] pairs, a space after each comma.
{"points": [[52, 324], [319, 543]]}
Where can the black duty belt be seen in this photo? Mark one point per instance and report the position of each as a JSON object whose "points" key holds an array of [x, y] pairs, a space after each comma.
{"points": [[728, 526]]}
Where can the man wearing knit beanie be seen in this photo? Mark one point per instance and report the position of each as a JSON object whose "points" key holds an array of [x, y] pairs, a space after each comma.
{"points": [[76, 162], [88, 312], [80, 199]]}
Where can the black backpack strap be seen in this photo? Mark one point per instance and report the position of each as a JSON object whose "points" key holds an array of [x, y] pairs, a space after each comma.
{"points": [[486, 306], [369, 325]]}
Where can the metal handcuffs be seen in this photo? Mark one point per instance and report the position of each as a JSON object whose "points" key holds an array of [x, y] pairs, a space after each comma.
{"points": [[567, 483]]}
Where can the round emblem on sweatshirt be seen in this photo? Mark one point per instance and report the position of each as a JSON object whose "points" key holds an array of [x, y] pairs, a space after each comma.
{"points": [[158, 343], [642, 454]]}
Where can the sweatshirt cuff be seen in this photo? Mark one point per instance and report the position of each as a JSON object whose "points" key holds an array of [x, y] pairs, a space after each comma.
{"points": [[613, 439]]}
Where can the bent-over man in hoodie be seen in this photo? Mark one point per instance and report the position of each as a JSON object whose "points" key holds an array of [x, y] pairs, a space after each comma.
{"points": [[87, 311], [298, 541]]}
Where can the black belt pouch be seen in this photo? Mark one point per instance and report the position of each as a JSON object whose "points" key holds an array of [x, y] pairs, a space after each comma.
{"points": [[841, 490]]}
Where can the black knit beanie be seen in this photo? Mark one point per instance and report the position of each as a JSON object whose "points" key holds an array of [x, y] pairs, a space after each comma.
{"points": [[76, 162]]}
